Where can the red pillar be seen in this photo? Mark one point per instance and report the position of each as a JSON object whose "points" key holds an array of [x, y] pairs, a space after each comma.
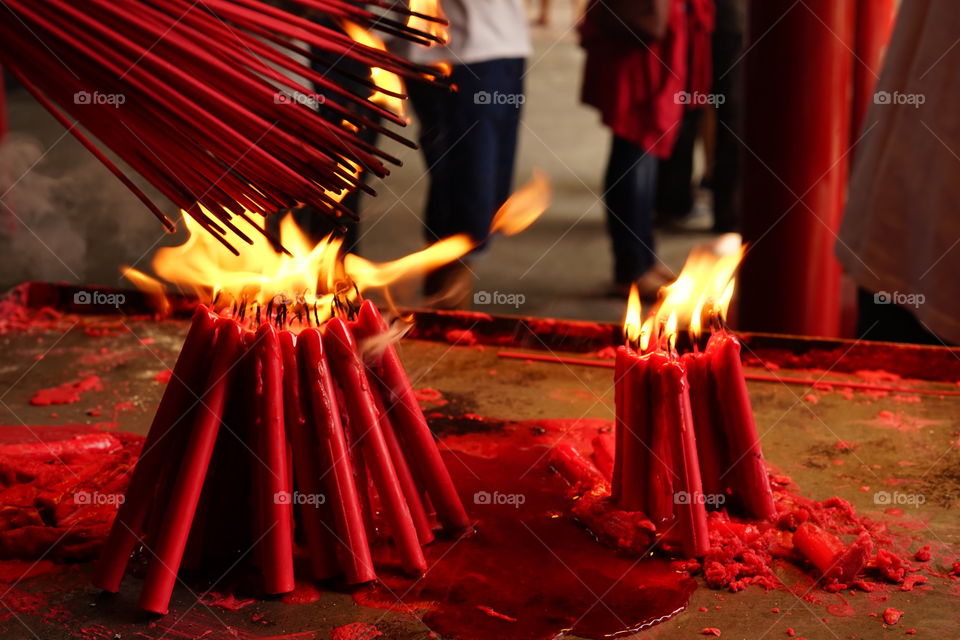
{"points": [[796, 133]]}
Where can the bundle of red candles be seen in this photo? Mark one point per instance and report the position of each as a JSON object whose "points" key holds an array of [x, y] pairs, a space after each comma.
{"points": [[686, 439], [290, 444]]}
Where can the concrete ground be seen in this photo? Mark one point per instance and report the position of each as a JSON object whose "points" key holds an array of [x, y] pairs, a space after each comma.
{"points": [[75, 222]]}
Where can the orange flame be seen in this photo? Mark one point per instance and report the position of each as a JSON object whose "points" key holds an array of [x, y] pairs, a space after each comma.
{"points": [[697, 299], [311, 275], [631, 321], [383, 79], [524, 206]]}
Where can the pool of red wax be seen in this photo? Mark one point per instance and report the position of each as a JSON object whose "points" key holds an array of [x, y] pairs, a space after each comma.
{"points": [[528, 571], [59, 488]]}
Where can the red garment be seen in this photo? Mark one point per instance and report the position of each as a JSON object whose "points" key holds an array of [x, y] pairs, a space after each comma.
{"points": [[701, 21], [634, 84]]}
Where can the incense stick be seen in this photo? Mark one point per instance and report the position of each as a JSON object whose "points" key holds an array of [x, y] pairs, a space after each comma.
{"points": [[609, 364]]}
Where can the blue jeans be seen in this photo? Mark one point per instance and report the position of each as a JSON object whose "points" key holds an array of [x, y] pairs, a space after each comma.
{"points": [[469, 142], [629, 190]]}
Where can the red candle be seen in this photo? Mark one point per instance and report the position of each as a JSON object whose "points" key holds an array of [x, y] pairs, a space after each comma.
{"points": [[827, 553], [171, 538], [662, 448], [749, 479], [335, 457], [411, 426], [410, 490], [634, 431], [604, 454], [271, 469], [711, 444], [314, 513], [170, 425], [367, 436], [688, 500]]}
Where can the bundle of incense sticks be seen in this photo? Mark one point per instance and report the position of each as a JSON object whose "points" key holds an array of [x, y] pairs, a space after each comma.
{"points": [[275, 442], [201, 98], [686, 439]]}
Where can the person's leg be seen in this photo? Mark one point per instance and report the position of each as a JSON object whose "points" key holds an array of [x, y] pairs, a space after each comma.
{"points": [[674, 198], [507, 126], [484, 135], [629, 187], [434, 107]]}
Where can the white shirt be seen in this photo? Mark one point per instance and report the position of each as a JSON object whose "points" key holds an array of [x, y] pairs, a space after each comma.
{"points": [[480, 30]]}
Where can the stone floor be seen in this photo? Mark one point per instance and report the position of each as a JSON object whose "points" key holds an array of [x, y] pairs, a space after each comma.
{"points": [[75, 222]]}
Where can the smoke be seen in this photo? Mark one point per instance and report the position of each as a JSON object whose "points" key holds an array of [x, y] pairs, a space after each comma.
{"points": [[65, 217], [373, 347]]}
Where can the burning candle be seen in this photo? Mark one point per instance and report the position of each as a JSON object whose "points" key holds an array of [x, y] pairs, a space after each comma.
{"points": [[170, 423], [364, 422], [315, 514], [274, 531], [684, 421], [736, 422], [407, 417], [335, 458], [171, 539]]}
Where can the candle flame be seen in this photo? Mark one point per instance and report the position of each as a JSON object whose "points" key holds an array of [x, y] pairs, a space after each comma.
{"points": [[309, 277], [698, 299], [670, 331], [631, 322]]}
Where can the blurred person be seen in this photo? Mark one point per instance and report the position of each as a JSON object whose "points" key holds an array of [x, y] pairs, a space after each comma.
{"points": [[636, 64], [724, 175], [675, 189], [900, 236], [469, 136]]}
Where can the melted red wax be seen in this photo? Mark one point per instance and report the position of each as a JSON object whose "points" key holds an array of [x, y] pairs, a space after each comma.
{"points": [[529, 571], [66, 393], [355, 631], [60, 487], [164, 376]]}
